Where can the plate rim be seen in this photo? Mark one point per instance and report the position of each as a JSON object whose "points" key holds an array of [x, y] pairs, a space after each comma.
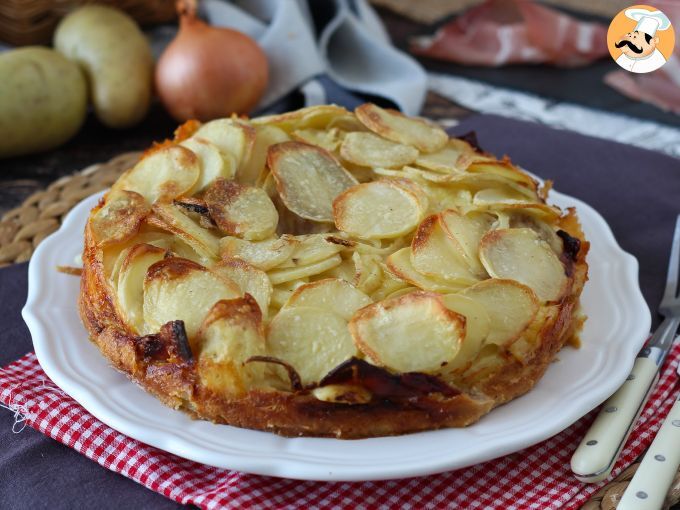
{"points": [[285, 466]]}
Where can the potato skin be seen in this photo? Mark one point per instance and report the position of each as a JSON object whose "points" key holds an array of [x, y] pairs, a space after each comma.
{"points": [[116, 58], [43, 100]]}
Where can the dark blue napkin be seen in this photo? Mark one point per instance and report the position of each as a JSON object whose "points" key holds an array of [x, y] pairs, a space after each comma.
{"points": [[637, 192]]}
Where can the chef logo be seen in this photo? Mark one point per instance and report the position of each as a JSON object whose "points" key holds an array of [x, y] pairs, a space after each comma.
{"points": [[640, 39]]}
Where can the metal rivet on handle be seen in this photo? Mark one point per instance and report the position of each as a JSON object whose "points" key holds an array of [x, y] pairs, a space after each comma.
{"points": [[591, 442], [660, 458], [641, 494], [675, 423], [611, 409]]}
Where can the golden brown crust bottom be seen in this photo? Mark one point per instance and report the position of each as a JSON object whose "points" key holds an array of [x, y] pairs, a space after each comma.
{"points": [[301, 414]]}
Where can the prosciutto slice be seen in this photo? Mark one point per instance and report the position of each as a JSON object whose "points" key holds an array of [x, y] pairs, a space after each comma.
{"points": [[501, 32]]}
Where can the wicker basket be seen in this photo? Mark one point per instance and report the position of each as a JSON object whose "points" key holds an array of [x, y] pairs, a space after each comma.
{"points": [[24, 22]]}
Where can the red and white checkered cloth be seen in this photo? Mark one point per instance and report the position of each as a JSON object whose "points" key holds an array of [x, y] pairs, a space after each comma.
{"points": [[537, 477]]}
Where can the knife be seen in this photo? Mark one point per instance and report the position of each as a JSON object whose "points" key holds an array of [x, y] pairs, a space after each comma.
{"points": [[599, 449]]}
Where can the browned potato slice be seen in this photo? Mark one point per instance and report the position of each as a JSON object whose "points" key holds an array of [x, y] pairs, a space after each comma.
{"points": [[309, 249], [468, 231], [498, 184], [278, 276], [519, 254], [252, 170], [231, 333], [179, 289], [543, 229], [412, 333], [542, 212], [312, 340], [120, 217], [164, 174], [510, 305], [329, 139], [337, 296], [174, 220], [308, 179], [435, 254], [503, 169], [377, 210], [213, 163], [399, 264], [397, 127], [367, 149], [230, 136], [313, 117], [243, 211], [249, 279], [264, 255], [130, 288], [477, 328]]}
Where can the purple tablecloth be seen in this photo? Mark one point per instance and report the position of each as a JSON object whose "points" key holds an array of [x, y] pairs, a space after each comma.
{"points": [[637, 191]]}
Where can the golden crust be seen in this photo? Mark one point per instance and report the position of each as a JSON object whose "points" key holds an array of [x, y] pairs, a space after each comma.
{"points": [[371, 401]]}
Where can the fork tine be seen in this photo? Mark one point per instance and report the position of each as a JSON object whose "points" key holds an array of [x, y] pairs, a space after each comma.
{"points": [[672, 280]]}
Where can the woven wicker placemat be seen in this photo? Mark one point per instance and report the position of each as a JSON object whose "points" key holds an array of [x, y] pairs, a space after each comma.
{"points": [[23, 228]]}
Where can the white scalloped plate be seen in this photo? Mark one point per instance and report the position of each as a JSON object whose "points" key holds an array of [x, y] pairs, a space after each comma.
{"points": [[579, 381]]}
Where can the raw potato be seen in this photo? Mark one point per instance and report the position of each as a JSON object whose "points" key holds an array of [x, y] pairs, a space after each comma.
{"points": [[213, 163], [477, 328], [43, 100], [510, 305], [312, 340], [136, 262], [250, 280], [412, 333], [397, 127], [308, 179], [435, 254], [399, 264], [116, 58], [243, 211], [171, 218], [120, 217], [231, 137], [231, 333], [331, 294], [264, 255], [162, 175], [377, 210], [520, 254], [178, 289], [367, 149]]}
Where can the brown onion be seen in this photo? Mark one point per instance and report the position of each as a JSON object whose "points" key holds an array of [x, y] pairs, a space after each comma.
{"points": [[209, 72]]}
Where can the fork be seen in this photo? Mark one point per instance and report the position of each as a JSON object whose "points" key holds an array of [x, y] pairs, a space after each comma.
{"points": [[599, 449]]}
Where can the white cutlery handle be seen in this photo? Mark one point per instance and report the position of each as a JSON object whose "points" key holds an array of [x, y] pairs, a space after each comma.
{"points": [[596, 455], [648, 488]]}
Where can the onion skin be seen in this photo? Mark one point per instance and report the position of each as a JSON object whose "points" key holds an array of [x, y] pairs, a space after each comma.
{"points": [[209, 72]]}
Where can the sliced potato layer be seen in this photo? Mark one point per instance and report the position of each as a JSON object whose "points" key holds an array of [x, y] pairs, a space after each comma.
{"points": [[329, 139], [435, 254], [308, 179], [313, 117], [249, 279], [164, 174], [309, 249], [468, 231], [377, 210], [231, 333], [452, 158], [412, 333], [251, 170], [231, 137], [397, 127], [367, 149], [337, 296], [477, 328], [312, 340], [174, 220], [400, 265], [511, 306], [263, 255], [178, 289], [294, 273], [213, 163], [119, 218], [520, 254], [243, 211]]}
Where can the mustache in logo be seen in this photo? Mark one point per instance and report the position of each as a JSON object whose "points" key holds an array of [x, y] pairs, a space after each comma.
{"points": [[626, 42]]}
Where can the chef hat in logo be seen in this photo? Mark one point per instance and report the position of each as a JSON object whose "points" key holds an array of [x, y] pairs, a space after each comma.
{"points": [[648, 21]]}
